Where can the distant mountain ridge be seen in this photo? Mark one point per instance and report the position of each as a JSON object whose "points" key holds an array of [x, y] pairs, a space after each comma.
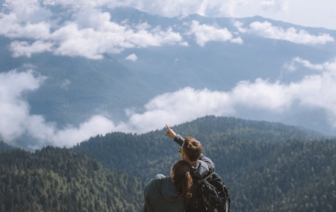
{"points": [[264, 164], [109, 149], [267, 166], [77, 88]]}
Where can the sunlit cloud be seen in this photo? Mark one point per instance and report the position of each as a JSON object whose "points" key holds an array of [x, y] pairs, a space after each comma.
{"points": [[88, 33], [25, 49], [312, 91], [16, 119], [204, 33], [297, 62], [132, 57], [267, 30], [14, 110]]}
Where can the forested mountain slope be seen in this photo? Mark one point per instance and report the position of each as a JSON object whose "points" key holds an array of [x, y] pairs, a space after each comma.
{"points": [[4, 146], [267, 166], [119, 150], [55, 179]]}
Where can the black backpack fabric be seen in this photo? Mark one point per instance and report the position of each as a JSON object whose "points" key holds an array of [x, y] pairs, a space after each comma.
{"points": [[215, 194], [212, 195]]}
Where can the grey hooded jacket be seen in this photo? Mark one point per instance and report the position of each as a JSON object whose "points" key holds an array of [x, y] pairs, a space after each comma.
{"points": [[160, 196]]}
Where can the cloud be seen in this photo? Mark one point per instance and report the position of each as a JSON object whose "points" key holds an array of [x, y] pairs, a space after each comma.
{"points": [[88, 33], [312, 91], [13, 109], [293, 64], [132, 57], [274, 5], [297, 61], [205, 33], [267, 30], [13, 27], [37, 26], [25, 49], [16, 119]]}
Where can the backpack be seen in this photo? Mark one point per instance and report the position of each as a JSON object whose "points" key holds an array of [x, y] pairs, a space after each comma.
{"points": [[212, 195]]}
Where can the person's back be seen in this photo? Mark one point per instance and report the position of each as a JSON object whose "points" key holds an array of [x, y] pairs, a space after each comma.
{"points": [[200, 166], [168, 194]]}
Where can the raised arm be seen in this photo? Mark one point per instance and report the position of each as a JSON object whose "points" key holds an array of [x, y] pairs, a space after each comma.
{"points": [[171, 134], [179, 140]]}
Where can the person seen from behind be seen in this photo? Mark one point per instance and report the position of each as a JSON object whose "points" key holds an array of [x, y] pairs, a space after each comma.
{"points": [[169, 193], [200, 166]]}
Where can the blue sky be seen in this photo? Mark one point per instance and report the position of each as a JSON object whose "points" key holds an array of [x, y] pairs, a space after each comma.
{"points": [[34, 29]]}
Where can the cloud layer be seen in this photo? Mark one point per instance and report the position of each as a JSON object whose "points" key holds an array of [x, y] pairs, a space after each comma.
{"points": [[313, 91], [37, 26]]}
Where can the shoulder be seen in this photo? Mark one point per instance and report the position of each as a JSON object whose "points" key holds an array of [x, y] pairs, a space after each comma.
{"points": [[201, 169], [159, 176], [157, 180]]}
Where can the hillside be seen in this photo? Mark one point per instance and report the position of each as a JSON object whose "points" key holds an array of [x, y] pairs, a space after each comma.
{"points": [[4, 146], [55, 179], [267, 166], [119, 150]]}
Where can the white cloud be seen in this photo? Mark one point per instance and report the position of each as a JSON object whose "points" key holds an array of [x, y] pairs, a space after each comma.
{"points": [[89, 33], [205, 33], [13, 27], [25, 49], [28, 10], [17, 121], [132, 57], [313, 91], [291, 34], [274, 5], [297, 61], [13, 109]]}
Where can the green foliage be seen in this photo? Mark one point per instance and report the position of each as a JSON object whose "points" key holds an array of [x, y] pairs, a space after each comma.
{"points": [[267, 166], [55, 179]]}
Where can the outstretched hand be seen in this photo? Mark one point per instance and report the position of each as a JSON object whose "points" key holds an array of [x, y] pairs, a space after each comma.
{"points": [[170, 133]]}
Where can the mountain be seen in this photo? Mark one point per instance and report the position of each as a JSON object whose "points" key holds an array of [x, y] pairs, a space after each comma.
{"points": [[78, 87], [4, 146], [267, 166], [55, 179], [161, 151]]}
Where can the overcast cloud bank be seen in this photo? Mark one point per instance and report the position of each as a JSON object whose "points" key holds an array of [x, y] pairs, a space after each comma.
{"points": [[313, 91]]}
